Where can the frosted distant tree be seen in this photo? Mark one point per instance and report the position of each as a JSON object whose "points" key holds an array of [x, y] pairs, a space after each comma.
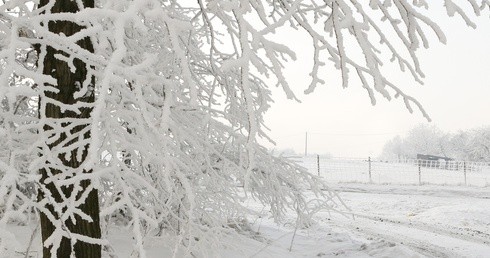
{"points": [[152, 109], [426, 139], [459, 145], [476, 146], [479, 144], [470, 145], [394, 149], [422, 139]]}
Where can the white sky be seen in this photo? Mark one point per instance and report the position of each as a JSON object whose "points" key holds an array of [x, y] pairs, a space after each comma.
{"points": [[342, 122]]}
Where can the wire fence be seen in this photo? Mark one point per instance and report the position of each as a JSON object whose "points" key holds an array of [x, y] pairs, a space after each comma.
{"points": [[412, 171]]}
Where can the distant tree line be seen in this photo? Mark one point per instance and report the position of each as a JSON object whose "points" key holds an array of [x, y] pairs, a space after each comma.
{"points": [[471, 145]]}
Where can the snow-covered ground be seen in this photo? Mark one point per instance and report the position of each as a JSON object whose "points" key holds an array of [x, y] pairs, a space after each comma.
{"points": [[385, 221], [392, 221]]}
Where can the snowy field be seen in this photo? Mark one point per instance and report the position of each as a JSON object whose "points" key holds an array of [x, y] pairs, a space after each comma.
{"points": [[391, 221], [384, 221]]}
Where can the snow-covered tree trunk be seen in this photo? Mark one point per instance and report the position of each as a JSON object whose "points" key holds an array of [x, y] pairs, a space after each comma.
{"points": [[66, 131]]}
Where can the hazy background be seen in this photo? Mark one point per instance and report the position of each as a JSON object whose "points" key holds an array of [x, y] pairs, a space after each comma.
{"points": [[342, 122]]}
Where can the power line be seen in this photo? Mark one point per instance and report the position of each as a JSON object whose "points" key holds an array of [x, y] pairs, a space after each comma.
{"points": [[341, 134], [357, 134]]}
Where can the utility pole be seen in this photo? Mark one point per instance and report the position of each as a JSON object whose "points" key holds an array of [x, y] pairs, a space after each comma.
{"points": [[306, 144]]}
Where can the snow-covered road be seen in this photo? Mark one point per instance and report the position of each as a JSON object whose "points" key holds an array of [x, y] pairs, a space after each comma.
{"points": [[397, 221]]}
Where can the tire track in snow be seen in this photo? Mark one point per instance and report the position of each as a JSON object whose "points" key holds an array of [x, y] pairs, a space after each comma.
{"points": [[465, 234], [419, 239], [421, 247]]}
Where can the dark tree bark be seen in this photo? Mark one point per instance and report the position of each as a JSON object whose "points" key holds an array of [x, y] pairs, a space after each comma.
{"points": [[68, 83]]}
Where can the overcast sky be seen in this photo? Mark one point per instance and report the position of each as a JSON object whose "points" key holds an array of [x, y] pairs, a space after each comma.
{"points": [[342, 122]]}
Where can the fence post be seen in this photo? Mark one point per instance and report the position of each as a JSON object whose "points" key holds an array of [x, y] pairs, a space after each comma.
{"points": [[318, 164], [370, 178], [464, 169], [420, 174]]}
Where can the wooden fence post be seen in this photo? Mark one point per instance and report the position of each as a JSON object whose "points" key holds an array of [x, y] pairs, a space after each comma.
{"points": [[370, 178], [464, 169], [318, 164], [420, 174]]}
